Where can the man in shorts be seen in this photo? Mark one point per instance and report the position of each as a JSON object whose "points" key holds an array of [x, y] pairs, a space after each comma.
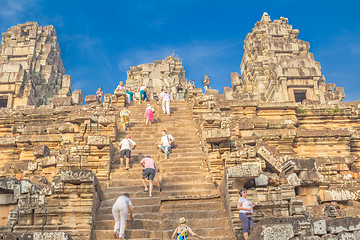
{"points": [[126, 145], [150, 168], [165, 143]]}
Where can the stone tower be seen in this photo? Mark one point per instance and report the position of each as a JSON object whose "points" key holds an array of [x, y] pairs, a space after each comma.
{"points": [[278, 67], [165, 74], [31, 69]]}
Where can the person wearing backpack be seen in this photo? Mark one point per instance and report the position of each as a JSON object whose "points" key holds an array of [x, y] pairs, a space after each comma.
{"points": [[165, 143], [126, 145]]}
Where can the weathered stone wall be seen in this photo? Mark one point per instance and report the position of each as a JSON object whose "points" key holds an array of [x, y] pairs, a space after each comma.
{"points": [[162, 74], [31, 69], [54, 157], [296, 159]]}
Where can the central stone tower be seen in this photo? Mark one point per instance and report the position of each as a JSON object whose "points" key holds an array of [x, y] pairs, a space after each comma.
{"points": [[165, 74], [278, 67]]}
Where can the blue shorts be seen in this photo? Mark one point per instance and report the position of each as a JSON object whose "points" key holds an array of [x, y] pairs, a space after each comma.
{"points": [[246, 221], [149, 173]]}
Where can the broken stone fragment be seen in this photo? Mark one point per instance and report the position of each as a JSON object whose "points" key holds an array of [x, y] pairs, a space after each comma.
{"points": [[41, 151]]}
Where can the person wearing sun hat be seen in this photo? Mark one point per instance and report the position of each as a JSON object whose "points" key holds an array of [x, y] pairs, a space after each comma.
{"points": [[182, 231]]}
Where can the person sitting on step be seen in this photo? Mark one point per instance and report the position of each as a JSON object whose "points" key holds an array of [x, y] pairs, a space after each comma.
{"points": [[165, 144], [182, 231]]}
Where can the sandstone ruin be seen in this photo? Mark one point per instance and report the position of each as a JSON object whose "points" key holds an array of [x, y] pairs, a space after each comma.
{"points": [[280, 131], [162, 74]]}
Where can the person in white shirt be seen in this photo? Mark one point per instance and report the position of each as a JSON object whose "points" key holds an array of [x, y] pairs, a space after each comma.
{"points": [[126, 145], [165, 144], [166, 98], [120, 211], [245, 213]]}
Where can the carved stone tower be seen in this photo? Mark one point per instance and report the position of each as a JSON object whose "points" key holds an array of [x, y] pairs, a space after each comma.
{"points": [[278, 67]]}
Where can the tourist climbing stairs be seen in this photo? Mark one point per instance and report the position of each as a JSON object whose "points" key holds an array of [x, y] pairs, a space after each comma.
{"points": [[182, 188]]}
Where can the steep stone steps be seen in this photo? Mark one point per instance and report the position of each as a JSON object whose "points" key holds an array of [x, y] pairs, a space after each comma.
{"points": [[183, 187]]}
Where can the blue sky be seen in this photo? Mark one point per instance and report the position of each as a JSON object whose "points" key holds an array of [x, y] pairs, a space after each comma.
{"points": [[100, 40]]}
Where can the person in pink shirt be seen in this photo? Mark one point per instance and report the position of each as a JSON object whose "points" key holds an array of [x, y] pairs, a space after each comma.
{"points": [[150, 168], [149, 115]]}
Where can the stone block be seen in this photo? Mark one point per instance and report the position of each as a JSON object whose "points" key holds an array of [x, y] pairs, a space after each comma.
{"points": [[7, 198], [8, 183], [32, 166], [61, 101], [336, 195], [46, 190], [41, 150], [261, 181], [119, 93], [244, 170], [338, 225], [269, 157], [272, 231], [298, 165], [98, 140], [77, 97], [48, 161], [312, 177], [330, 86], [296, 207], [319, 227], [16, 236], [329, 237], [107, 98], [293, 179], [7, 141], [76, 176], [51, 236], [217, 135], [13, 217], [91, 99], [66, 82]]}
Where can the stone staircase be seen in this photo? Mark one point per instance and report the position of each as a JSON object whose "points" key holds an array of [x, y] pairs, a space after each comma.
{"points": [[182, 188]]}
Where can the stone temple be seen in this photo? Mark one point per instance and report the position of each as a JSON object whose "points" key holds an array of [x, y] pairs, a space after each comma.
{"points": [[281, 131], [162, 74]]}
